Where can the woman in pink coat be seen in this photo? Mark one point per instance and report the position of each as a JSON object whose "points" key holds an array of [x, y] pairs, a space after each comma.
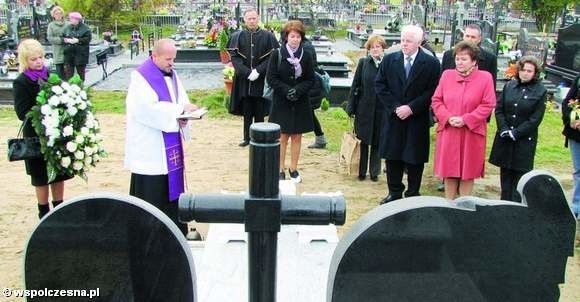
{"points": [[462, 103]]}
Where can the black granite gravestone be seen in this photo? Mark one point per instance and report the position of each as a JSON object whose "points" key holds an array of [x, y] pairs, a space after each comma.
{"points": [[24, 28], [568, 47], [536, 47], [42, 25], [120, 245], [429, 249], [487, 30], [489, 46]]}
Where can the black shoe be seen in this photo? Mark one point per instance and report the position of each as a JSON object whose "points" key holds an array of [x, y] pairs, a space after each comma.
{"points": [[362, 177], [441, 187], [295, 176], [390, 198], [374, 178], [244, 143], [411, 194], [282, 176]]}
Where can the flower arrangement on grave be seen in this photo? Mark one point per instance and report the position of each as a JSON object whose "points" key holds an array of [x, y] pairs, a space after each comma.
{"points": [[394, 24], [68, 131], [3, 30], [574, 105], [511, 70], [210, 39]]}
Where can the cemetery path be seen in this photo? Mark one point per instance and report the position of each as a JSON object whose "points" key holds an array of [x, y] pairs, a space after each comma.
{"points": [[214, 163]]}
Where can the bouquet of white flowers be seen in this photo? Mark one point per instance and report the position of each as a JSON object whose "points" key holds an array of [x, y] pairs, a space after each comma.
{"points": [[69, 132]]}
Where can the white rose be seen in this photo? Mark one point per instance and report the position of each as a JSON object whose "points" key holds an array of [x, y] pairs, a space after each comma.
{"points": [[78, 165], [88, 151], [83, 95], [71, 146], [82, 105], [79, 139], [75, 88], [96, 124], [79, 154], [66, 100], [50, 142], [65, 86], [57, 90], [72, 111], [88, 161], [65, 162], [89, 123], [45, 109], [54, 101], [96, 157], [85, 131], [67, 131]]}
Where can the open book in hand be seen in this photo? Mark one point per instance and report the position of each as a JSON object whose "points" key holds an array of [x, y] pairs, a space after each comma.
{"points": [[194, 115]]}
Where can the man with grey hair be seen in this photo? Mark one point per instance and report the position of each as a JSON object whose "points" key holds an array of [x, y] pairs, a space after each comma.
{"points": [[404, 84]]}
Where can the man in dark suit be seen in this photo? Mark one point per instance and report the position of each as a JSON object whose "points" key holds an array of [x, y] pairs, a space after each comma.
{"points": [[404, 84], [487, 61]]}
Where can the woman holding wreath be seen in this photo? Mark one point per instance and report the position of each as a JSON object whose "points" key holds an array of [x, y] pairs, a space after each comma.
{"points": [[25, 89]]}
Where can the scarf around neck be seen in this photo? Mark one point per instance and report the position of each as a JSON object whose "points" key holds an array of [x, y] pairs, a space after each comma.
{"points": [[34, 75], [295, 61], [377, 61]]}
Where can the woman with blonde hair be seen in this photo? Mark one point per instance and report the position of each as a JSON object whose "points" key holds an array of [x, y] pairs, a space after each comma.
{"points": [[54, 36], [366, 109], [25, 89]]}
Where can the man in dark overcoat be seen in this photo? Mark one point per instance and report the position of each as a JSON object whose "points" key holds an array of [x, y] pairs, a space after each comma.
{"points": [[250, 50], [405, 83]]}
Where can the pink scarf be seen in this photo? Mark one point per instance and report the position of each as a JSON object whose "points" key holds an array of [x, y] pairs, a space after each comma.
{"points": [[295, 61]]}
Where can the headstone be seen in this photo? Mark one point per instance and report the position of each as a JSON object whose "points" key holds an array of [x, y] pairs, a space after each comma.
{"points": [[42, 25], [418, 13], [487, 30], [24, 28], [523, 38], [458, 36], [120, 245], [536, 47], [568, 47], [471, 249], [489, 46]]}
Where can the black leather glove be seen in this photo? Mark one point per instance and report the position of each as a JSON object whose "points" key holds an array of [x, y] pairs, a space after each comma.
{"points": [[291, 96]]}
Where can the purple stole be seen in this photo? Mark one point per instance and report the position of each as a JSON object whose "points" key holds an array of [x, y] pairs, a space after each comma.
{"points": [[172, 140]]}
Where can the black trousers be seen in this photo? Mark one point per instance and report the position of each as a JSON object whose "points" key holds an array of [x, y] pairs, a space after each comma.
{"points": [[69, 71], [509, 182], [59, 70], [395, 170], [317, 127], [154, 189], [375, 160], [253, 113]]}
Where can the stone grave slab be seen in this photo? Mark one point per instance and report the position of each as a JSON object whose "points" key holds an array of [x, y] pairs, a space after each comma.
{"points": [[471, 249], [121, 245]]}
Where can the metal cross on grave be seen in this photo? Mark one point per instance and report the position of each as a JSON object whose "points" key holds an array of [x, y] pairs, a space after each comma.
{"points": [[263, 210]]}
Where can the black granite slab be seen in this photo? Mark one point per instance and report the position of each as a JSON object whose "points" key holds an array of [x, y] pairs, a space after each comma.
{"points": [[472, 249], [121, 245]]}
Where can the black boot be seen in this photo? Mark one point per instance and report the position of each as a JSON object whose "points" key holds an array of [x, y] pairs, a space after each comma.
{"points": [[55, 203], [43, 209]]}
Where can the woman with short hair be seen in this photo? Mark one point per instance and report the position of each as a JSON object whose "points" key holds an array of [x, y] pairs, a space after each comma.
{"points": [[25, 88], [518, 113], [462, 102], [54, 36], [291, 80]]}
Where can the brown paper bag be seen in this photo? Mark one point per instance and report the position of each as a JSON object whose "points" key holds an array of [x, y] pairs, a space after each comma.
{"points": [[350, 153]]}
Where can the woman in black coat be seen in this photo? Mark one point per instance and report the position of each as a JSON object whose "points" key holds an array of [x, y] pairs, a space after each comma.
{"points": [[291, 75], [572, 133], [24, 89], [367, 110], [76, 40], [519, 112]]}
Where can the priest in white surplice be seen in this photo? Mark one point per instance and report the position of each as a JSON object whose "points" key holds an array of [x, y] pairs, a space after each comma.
{"points": [[155, 135]]}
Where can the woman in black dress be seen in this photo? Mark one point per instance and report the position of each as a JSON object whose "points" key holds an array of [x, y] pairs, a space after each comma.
{"points": [[291, 75], [519, 112], [25, 88], [368, 112]]}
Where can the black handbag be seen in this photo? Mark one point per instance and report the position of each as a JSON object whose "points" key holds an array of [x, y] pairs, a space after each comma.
{"points": [[21, 148]]}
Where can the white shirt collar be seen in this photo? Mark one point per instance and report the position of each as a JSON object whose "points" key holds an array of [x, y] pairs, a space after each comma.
{"points": [[413, 56]]}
